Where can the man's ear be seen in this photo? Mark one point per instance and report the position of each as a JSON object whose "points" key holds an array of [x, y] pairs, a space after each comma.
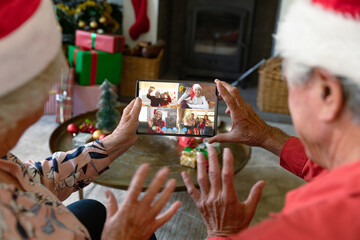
{"points": [[330, 94]]}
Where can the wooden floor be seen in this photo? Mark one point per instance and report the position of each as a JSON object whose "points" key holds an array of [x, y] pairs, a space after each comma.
{"points": [[187, 223]]}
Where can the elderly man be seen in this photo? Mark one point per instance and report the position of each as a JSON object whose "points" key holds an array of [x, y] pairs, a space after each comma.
{"points": [[155, 100], [320, 43]]}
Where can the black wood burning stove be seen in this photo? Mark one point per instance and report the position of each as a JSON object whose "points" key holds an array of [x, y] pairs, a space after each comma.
{"points": [[218, 37]]}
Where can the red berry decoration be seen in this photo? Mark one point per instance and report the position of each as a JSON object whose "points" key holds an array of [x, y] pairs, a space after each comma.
{"points": [[72, 128]]}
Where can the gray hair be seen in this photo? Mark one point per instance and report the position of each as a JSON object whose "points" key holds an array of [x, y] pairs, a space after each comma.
{"points": [[299, 74], [29, 98]]}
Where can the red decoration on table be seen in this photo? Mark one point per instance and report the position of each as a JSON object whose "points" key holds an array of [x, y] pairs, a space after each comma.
{"points": [[72, 128], [142, 23], [190, 141]]}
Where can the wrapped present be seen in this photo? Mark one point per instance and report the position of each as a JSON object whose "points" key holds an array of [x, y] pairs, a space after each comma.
{"points": [[64, 97], [110, 43], [188, 158], [86, 98], [93, 67]]}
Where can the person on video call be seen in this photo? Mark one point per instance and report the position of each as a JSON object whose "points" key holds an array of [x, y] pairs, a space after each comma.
{"points": [[192, 98], [31, 192], [319, 42], [156, 121], [165, 99], [155, 101]]}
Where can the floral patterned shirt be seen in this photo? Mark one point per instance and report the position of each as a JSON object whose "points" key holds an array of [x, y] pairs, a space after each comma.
{"points": [[37, 212]]}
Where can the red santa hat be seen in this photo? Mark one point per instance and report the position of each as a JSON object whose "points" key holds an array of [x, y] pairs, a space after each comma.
{"points": [[29, 41], [323, 33], [157, 110], [193, 88]]}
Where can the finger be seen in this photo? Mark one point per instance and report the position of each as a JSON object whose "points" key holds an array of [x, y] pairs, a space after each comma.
{"points": [[234, 92], [202, 176], [164, 197], [137, 182], [155, 185], [228, 188], [168, 214], [254, 197], [193, 192], [222, 137], [128, 108], [111, 203], [135, 111], [214, 171], [227, 97], [227, 111]]}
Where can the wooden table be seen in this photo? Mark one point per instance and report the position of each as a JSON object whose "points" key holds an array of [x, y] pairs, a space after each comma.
{"points": [[159, 151]]}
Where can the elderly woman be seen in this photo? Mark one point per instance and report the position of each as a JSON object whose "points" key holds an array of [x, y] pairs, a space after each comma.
{"points": [[31, 192], [322, 57]]}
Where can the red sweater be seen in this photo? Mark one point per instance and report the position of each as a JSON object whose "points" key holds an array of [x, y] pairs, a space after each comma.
{"points": [[328, 207]]}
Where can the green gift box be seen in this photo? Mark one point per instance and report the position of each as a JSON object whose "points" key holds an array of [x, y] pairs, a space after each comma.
{"points": [[93, 67]]}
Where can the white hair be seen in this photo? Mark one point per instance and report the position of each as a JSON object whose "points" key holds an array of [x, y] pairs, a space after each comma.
{"points": [[298, 74], [29, 98]]}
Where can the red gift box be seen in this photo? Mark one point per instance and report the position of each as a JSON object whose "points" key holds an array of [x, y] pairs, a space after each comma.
{"points": [[110, 43]]}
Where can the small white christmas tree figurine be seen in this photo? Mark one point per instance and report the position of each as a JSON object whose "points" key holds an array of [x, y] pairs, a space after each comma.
{"points": [[107, 116]]}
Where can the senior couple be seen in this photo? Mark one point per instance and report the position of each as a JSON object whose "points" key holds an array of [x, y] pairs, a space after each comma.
{"points": [[319, 41]]}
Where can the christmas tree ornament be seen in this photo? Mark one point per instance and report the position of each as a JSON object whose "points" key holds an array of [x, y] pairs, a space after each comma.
{"points": [[142, 23], [102, 136], [100, 31], [107, 116], [102, 20], [93, 24], [96, 134], [81, 24], [72, 128]]}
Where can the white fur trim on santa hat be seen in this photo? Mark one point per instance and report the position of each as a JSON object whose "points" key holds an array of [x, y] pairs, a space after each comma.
{"points": [[319, 37], [28, 50], [195, 86]]}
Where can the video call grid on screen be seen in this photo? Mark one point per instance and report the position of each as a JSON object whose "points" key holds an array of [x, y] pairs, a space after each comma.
{"points": [[177, 108]]}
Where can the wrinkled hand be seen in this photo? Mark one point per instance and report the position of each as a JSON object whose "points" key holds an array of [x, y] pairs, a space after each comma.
{"points": [[124, 136], [247, 126], [217, 202], [138, 219]]}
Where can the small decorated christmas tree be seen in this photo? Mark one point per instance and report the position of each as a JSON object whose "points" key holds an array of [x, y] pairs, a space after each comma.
{"points": [[107, 116]]}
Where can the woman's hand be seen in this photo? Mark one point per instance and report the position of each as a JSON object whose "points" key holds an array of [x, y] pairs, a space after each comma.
{"points": [[247, 126], [217, 202], [188, 91], [138, 219], [124, 136]]}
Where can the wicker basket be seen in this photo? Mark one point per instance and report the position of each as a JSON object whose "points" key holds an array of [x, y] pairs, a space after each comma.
{"points": [[272, 90], [135, 68]]}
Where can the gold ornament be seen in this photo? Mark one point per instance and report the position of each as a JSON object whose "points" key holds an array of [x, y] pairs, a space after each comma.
{"points": [[93, 24], [102, 20], [97, 134], [81, 24]]}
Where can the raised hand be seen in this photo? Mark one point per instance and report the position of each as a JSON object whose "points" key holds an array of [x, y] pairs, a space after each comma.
{"points": [[138, 219], [124, 136], [247, 127], [217, 202]]}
